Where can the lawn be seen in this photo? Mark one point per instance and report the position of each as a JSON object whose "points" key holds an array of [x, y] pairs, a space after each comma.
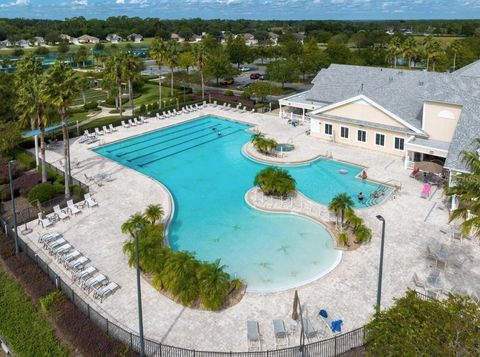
{"points": [[150, 94], [90, 96], [23, 327]]}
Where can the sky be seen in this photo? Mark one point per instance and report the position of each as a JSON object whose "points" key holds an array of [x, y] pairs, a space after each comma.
{"points": [[247, 9]]}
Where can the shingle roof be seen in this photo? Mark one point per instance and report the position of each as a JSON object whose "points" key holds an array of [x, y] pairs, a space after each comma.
{"points": [[403, 93], [470, 70]]}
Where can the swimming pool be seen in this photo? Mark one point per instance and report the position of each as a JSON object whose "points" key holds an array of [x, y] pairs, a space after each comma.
{"points": [[201, 163]]}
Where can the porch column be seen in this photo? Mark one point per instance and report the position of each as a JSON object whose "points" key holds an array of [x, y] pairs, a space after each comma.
{"points": [[407, 159], [280, 112], [35, 138], [303, 114]]}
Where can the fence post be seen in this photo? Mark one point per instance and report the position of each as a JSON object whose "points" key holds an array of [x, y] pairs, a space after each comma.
{"points": [[131, 341], [335, 344], [88, 311], [107, 328]]}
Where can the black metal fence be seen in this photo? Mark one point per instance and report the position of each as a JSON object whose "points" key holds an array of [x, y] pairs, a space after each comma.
{"points": [[331, 347]]}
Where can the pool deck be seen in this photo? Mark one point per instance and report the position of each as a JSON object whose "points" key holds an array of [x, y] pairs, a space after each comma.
{"points": [[349, 291]]}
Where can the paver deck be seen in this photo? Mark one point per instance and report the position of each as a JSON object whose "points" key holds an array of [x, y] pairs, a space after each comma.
{"points": [[349, 290]]}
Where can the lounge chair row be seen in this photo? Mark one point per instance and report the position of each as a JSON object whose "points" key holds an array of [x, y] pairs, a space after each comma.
{"points": [[282, 334], [135, 122], [61, 214], [86, 276], [238, 108]]}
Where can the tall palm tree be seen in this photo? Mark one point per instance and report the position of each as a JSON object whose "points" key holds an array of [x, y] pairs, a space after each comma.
{"points": [[410, 50], [60, 86], [455, 47], [200, 59], [30, 105], [134, 222], [180, 277], [158, 53], [340, 204], [153, 213], [132, 66], [214, 285], [171, 60], [394, 48], [436, 52], [114, 72], [150, 249], [466, 187], [430, 45]]}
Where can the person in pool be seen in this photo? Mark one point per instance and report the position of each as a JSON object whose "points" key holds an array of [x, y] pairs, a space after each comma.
{"points": [[360, 196]]}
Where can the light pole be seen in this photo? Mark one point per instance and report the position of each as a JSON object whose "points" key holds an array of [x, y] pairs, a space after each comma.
{"points": [[139, 293], [13, 206], [380, 268]]}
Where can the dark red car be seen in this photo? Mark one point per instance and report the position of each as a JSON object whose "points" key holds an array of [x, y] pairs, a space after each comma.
{"points": [[255, 76]]}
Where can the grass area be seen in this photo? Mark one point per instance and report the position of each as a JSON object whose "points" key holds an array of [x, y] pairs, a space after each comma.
{"points": [[90, 96], [443, 40], [27, 332], [150, 94], [81, 116]]}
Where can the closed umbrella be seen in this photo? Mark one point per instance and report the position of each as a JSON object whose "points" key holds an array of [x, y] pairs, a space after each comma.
{"points": [[296, 302], [429, 166]]}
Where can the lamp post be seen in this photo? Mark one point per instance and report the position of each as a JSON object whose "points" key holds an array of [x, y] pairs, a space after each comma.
{"points": [[380, 268], [15, 237], [139, 294], [160, 78]]}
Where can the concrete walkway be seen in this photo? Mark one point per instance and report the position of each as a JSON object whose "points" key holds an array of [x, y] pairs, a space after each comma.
{"points": [[349, 291]]}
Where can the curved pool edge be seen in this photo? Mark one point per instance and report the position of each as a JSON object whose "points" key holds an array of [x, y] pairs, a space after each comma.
{"points": [[264, 161], [305, 216]]}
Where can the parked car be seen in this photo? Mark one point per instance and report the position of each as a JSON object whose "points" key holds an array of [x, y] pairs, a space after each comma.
{"points": [[227, 81], [261, 77], [255, 76], [245, 69]]}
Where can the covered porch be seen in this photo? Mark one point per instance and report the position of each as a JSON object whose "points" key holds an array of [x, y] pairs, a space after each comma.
{"points": [[423, 150], [297, 106]]}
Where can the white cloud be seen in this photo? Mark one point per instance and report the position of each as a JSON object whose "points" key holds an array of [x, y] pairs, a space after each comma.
{"points": [[80, 2], [15, 3], [121, 2]]}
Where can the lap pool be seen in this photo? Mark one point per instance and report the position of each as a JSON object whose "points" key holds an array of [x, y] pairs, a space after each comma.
{"points": [[208, 177]]}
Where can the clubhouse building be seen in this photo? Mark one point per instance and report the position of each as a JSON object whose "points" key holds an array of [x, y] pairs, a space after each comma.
{"points": [[420, 116]]}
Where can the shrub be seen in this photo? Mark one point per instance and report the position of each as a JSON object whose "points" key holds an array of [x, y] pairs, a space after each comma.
{"points": [[50, 302], [41, 193], [26, 160], [275, 181], [343, 238], [150, 107], [76, 190], [59, 187], [363, 234], [155, 106], [42, 50], [228, 93], [143, 109], [92, 105], [245, 95], [263, 144]]}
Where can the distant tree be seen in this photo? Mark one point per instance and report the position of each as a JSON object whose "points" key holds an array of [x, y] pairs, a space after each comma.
{"points": [[394, 49], [186, 60], [81, 55], [131, 70], [115, 73], [210, 44], [238, 51], [338, 53], [7, 97], [199, 56], [158, 52], [99, 46], [283, 71], [218, 66], [171, 60], [63, 47], [410, 50], [10, 137], [431, 48], [84, 84], [42, 51], [18, 52], [52, 37], [340, 204]]}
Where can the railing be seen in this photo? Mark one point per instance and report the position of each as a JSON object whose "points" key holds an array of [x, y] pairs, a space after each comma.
{"points": [[331, 347]]}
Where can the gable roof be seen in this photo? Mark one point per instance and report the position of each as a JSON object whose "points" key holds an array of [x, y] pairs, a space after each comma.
{"points": [[403, 93], [470, 70]]}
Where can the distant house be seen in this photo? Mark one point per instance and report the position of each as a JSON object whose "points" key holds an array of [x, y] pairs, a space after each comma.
{"points": [[299, 36], [38, 41], [407, 32], [390, 32], [114, 38], [87, 39], [250, 40], [135, 37], [6, 43], [273, 38], [177, 38], [22, 43], [196, 38]]}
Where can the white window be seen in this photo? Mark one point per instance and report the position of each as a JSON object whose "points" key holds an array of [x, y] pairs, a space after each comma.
{"points": [[328, 129], [361, 136], [344, 132], [379, 139], [399, 143]]}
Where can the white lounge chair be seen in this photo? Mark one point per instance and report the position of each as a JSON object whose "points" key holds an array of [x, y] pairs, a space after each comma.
{"points": [[253, 336], [98, 132], [45, 222], [105, 291], [333, 325], [158, 116], [280, 333], [69, 257], [135, 120], [143, 120], [419, 283], [90, 201], [112, 129], [56, 243], [105, 129], [84, 273], [78, 263], [60, 213], [94, 282], [308, 329], [125, 125], [64, 249], [131, 122], [73, 208], [48, 236]]}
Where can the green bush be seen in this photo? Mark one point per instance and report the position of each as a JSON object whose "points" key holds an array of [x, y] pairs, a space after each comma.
{"points": [[42, 192], [25, 159], [49, 302], [228, 93], [76, 190], [245, 95], [143, 109], [92, 105], [363, 234], [155, 106], [24, 329], [343, 238], [59, 187], [149, 107]]}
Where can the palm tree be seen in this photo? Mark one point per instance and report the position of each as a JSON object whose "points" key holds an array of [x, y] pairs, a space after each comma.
{"points": [[275, 181], [466, 187], [30, 105], [114, 72], [84, 84], [180, 277], [131, 67], [353, 220], [436, 52], [430, 46], [200, 58], [363, 234], [134, 222], [340, 204], [394, 48], [214, 285], [158, 53], [455, 47], [60, 87], [171, 60], [150, 249], [153, 213], [410, 50]]}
